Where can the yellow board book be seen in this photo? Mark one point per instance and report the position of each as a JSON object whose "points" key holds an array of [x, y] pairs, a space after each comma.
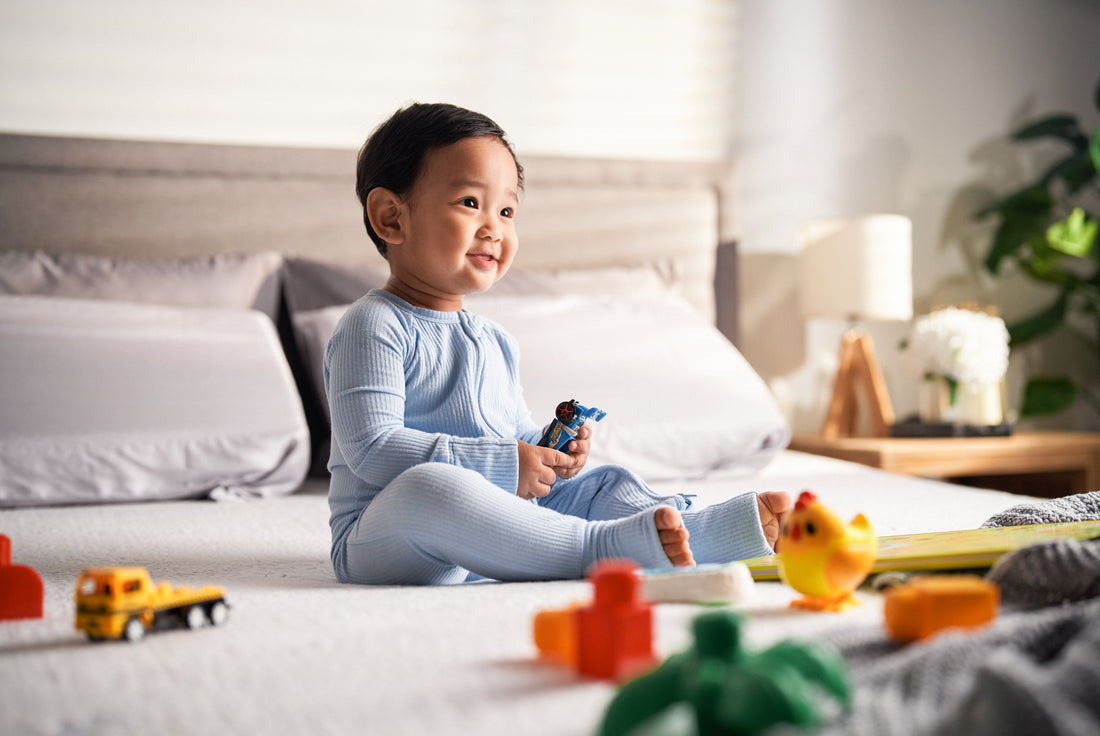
{"points": [[967, 548]]}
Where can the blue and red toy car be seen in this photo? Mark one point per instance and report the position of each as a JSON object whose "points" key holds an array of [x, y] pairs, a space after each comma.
{"points": [[569, 417]]}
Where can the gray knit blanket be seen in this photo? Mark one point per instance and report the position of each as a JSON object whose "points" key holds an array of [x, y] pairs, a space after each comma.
{"points": [[1035, 670]]}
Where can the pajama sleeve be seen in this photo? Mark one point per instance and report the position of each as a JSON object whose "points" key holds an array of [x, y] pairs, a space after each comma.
{"points": [[366, 385]]}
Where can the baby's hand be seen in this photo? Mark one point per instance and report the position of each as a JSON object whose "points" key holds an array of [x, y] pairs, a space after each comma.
{"points": [[539, 467], [578, 449], [774, 507]]}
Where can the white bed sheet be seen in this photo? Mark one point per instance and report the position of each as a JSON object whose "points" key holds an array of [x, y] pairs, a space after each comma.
{"points": [[304, 654], [894, 504], [114, 401]]}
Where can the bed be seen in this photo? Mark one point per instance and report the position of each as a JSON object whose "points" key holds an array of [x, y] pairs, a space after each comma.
{"points": [[162, 309]]}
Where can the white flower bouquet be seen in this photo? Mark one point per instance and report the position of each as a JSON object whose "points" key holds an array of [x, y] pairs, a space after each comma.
{"points": [[967, 351]]}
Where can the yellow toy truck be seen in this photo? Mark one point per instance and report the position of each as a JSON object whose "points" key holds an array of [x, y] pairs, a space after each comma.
{"points": [[123, 603]]}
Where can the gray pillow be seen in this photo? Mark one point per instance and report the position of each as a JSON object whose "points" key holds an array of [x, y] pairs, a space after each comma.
{"points": [[233, 280]]}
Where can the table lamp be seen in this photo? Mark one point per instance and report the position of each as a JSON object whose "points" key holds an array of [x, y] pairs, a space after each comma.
{"points": [[858, 269]]}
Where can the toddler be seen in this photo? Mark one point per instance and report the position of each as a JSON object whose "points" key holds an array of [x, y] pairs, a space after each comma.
{"points": [[436, 473]]}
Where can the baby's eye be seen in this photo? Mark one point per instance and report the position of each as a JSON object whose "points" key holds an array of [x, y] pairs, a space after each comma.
{"points": [[469, 202], [507, 212]]}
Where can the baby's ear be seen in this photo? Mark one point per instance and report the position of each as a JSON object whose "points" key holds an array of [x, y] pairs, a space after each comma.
{"points": [[384, 210]]}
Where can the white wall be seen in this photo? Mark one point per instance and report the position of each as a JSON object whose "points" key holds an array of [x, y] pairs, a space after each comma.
{"points": [[625, 78], [859, 106], [827, 106]]}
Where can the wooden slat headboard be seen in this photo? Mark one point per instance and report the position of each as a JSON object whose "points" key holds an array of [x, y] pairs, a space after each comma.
{"points": [[168, 200]]}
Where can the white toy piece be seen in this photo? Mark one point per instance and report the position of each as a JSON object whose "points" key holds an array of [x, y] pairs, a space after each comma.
{"points": [[725, 583]]}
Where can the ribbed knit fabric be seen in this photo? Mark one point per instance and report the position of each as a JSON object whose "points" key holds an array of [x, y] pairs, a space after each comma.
{"points": [[1080, 507], [426, 410], [1049, 574], [1055, 572], [726, 531], [1031, 672], [436, 522], [408, 386]]}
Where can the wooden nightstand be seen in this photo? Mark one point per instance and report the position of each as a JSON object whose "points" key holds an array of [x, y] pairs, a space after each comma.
{"points": [[1036, 463]]}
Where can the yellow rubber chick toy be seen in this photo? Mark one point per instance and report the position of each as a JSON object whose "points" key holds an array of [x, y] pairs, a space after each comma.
{"points": [[822, 557]]}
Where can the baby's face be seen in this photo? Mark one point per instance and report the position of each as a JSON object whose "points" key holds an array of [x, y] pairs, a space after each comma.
{"points": [[459, 222]]}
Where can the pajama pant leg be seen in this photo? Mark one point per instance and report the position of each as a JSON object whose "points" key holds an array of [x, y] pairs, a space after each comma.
{"points": [[726, 531], [607, 492], [436, 523]]}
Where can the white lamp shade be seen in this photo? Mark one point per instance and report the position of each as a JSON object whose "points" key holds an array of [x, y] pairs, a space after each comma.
{"points": [[857, 268]]}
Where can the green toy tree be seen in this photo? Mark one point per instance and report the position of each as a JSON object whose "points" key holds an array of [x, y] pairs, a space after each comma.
{"points": [[733, 691]]}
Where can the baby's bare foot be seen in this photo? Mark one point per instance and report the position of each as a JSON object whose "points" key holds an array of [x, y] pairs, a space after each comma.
{"points": [[673, 536], [774, 507]]}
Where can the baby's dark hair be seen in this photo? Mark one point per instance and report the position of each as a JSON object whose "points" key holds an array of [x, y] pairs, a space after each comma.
{"points": [[393, 155]]}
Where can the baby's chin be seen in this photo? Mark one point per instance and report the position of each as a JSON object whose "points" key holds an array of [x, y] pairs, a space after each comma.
{"points": [[501, 271]]}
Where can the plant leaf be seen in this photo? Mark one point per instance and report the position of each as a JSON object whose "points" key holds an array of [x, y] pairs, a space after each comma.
{"points": [[1034, 199], [1045, 268], [1074, 235], [1059, 125], [1006, 241], [952, 390], [1094, 142], [1039, 323], [1015, 231], [1024, 217], [1076, 170], [1047, 395]]}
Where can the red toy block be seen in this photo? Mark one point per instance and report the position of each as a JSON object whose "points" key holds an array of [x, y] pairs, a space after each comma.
{"points": [[615, 633], [21, 590]]}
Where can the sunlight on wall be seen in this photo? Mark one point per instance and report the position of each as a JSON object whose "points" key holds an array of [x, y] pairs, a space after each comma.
{"points": [[615, 78]]}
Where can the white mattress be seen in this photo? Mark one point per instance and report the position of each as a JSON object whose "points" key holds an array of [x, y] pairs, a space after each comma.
{"points": [[114, 401], [895, 504], [304, 654]]}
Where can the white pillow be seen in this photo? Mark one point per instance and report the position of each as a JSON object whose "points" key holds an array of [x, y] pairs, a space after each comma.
{"points": [[113, 401], [682, 402], [610, 281]]}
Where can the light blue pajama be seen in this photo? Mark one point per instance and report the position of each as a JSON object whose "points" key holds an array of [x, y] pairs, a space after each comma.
{"points": [[426, 411]]}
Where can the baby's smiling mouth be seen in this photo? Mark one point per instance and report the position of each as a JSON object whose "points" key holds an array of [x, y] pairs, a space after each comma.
{"points": [[483, 258]]}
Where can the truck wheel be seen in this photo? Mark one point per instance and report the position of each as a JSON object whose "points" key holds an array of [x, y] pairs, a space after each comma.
{"points": [[566, 412], [134, 631], [219, 613], [195, 618]]}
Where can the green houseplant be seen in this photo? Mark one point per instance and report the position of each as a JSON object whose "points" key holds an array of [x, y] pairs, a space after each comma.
{"points": [[1048, 230]]}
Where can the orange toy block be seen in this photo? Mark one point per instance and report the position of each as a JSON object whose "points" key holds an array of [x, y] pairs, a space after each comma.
{"points": [[21, 590], [929, 604], [555, 633], [615, 632]]}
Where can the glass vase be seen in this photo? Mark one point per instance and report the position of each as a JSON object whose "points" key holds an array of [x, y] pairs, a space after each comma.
{"points": [[945, 401]]}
